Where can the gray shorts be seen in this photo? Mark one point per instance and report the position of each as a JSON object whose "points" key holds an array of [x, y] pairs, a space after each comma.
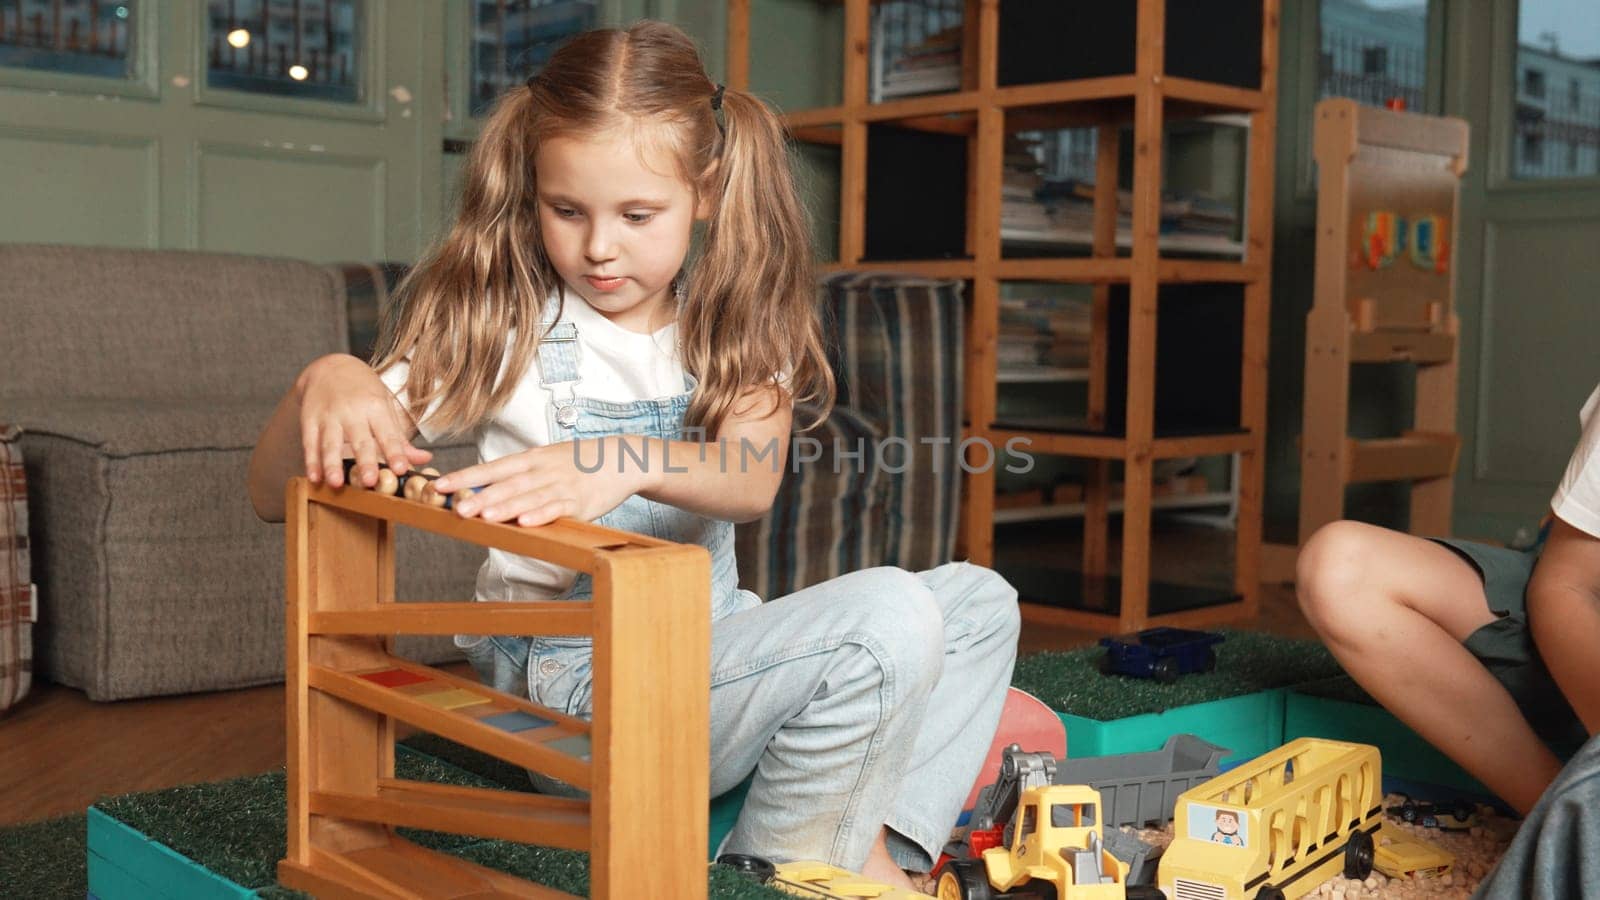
{"points": [[1505, 646]]}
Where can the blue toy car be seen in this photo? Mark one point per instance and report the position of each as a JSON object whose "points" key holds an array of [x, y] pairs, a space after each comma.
{"points": [[1160, 653]]}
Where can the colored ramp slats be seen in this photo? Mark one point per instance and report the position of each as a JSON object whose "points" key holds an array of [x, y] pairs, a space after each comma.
{"points": [[460, 722]]}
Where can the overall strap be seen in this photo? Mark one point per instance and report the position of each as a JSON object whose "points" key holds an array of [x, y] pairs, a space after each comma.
{"points": [[558, 365]]}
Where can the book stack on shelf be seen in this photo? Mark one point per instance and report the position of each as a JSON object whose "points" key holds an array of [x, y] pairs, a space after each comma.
{"points": [[1063, 212], [928, 66], [1044, 338], [1020, 206]]}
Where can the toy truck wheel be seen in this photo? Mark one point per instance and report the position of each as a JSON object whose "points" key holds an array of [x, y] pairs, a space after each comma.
{"points": [[1269, 893], [964, 879], [1106, 668], [1358, 856], [759, 869], [1145, 892], [1211, 661], [1166, 670]]}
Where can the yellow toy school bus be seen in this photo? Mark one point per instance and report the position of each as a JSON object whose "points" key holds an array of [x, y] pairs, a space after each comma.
{"points": [[1278, 826]]}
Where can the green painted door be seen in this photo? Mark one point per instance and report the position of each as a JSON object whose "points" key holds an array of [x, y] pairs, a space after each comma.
{"points": [[1527, 76], [188, 152]]}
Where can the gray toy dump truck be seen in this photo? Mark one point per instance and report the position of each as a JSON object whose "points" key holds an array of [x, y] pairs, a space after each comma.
{"points": [[1142, 788]]}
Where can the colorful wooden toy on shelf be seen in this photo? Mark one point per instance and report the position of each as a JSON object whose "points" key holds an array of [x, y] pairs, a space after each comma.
{"points": [[1388, 186], [643, 760]]}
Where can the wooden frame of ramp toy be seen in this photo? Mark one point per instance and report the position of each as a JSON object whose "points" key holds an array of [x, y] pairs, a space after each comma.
{"points": [[644, 760]]}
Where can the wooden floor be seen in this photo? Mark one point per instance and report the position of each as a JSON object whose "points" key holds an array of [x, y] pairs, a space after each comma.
{"points": [[60, 751]]}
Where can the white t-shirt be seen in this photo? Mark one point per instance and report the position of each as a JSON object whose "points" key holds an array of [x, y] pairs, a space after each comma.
{"points": [[614, 364], [1577, 499]]}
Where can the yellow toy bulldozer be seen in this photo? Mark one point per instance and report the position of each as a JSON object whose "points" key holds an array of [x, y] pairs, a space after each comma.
{"points": [[1053, 848]]}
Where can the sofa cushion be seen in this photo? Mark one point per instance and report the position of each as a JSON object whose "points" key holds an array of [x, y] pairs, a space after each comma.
{"points": [[157, 576], [103, 323], [132, 427]]}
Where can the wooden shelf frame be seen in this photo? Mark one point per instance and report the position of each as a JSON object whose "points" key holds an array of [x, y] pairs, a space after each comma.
{"points": [[647, 756], [1148, 97]]}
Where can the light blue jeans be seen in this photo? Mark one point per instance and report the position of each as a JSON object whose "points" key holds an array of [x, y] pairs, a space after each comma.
{"points": [[868, 700]]}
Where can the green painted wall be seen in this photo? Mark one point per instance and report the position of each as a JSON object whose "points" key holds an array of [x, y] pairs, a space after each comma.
{"points": [[162, 160]]}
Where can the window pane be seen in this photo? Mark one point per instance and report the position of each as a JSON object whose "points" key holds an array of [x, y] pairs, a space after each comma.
{"points": [[308, 49], [511, 39], [84, 38], [1556, 126], [1374, 51]]}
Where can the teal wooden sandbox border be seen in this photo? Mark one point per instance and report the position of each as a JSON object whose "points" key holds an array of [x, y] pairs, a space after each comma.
{"points": [[1248, 725], [1405, 754], [1252, 724], [124, 864]]}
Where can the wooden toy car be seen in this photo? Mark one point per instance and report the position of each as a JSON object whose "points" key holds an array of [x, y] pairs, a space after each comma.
{"points": [[808, 878], [1458, 816], [1401, 856], [1160, 653]]}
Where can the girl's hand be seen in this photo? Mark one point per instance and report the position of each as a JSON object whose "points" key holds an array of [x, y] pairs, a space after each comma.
{"points": [[542, 484], [346, 410]]}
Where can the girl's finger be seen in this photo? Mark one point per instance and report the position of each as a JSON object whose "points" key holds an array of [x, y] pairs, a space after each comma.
{"points": [[365, 471], [310, 441], [332, 459], [548, 512], [502, 500], [395, 453]]}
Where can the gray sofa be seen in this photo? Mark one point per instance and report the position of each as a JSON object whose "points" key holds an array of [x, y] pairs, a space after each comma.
{"points": [[140, 380]]}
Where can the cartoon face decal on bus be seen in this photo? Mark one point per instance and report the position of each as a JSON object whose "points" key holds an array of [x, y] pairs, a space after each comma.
{"points": [[1218, 824]]}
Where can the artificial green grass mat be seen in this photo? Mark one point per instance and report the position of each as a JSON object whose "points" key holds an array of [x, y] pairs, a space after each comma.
{"points": [[47, 859], [236, 828], [1070, 681]]}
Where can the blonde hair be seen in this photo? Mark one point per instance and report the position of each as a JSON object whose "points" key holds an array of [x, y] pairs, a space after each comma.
{"points": [[749, 312]]}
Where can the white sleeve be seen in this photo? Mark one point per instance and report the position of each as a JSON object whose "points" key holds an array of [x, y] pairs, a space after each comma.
{"points": [[394, 378], [1577, 499]]}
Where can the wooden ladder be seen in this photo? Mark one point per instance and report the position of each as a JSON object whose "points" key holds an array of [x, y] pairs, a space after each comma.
{"points": [[1383, 299]]}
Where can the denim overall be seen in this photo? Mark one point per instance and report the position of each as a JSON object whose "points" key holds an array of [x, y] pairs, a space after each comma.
{"points": [[557, 672]]}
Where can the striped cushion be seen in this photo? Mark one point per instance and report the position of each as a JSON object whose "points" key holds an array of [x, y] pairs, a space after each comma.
{"points": [[896, 348], [827, 517], [367, 287], [16, 615]]}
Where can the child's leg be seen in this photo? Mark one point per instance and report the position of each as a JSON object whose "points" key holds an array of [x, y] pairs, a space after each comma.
{"points": [[981, 624], [822, 694], [1396, 611]]}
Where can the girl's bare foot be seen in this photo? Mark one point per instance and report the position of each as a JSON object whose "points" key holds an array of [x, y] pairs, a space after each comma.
{"points": [[881, 867]]}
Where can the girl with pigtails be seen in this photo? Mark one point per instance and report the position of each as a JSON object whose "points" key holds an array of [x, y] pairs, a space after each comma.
{"points": [[557, 324]]}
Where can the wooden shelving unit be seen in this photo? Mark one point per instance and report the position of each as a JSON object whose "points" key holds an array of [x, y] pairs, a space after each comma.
{"points": [[984, 111]]}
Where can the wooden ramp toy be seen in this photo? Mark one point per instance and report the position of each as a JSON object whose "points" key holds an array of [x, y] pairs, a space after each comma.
{"points": [[1387, 218], [644, 760]]}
